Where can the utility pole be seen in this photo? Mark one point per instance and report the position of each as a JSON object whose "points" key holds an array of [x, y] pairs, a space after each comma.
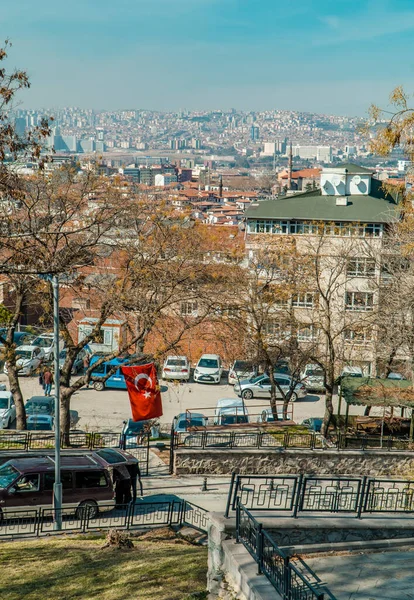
{"points": [[57, 486]]}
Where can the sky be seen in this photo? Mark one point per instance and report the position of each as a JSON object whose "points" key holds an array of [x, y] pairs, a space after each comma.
{"points": [[323, 56]]}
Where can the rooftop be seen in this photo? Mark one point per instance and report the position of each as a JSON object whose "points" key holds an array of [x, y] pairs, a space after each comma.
{"points": [[378, 207], [367, 391]]}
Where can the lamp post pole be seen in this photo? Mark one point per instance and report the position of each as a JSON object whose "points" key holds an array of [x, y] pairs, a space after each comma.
{"points": [[57, 486]]}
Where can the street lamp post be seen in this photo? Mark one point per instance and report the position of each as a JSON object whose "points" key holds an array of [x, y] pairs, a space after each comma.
{"points": [[57, 486]]}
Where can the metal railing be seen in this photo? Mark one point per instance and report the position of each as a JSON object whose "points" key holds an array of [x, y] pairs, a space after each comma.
{"points": [[296, 494], [34, 523], [285, 439], [31, 441], [290, 582]]}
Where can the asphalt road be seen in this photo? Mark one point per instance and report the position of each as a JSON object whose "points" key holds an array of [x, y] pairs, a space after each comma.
{"points": [[106, 411]]}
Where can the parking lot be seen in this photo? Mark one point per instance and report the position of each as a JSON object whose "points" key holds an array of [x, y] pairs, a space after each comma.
{"points": [[107, 410]]}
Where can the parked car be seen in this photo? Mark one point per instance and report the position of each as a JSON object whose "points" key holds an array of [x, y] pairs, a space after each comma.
{"points": [[184, 421], [46, 342], [115, 381], [267, 416], [313, 424], [230, 411], [20, 338], [260, 387], [40, 422], [176, 367], [78, 362], [27, 483], [348, 371], [132, 432], [40, 405], [7, 409], [396, 376], [45, 405], [313, 378], [209, 369], [241, 369], [28, 359]]}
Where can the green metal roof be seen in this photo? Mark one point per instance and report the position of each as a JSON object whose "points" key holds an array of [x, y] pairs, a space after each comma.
{"points": [[378, 207], [367, 391]]}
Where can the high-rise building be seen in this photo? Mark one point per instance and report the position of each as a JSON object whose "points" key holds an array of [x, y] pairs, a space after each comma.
{"points": [[254, 133]]}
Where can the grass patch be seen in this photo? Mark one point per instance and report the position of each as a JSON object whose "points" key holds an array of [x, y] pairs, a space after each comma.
{"points": [[76, 567]]}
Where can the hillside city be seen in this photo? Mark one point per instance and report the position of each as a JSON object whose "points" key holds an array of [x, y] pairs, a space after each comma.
{"points": [[206, 314]]}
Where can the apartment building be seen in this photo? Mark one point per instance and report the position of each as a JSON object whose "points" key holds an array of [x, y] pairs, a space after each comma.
{"points": [[340, 229]]}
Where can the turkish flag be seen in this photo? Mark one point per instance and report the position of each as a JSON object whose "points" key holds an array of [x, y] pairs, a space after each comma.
{"points": [[143, 391]]}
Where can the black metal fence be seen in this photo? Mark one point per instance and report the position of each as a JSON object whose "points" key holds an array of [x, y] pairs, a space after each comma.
{"points": [[29, 440], [289, 581], [33, 523], [286, 439], [295, 494]]}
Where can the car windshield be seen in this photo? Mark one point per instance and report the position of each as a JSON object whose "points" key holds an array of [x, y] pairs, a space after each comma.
{"points": [[7, 475], [62, 354], [38, 407], [42, 342], [111, 456], [351, 374], [208, 363], [135, 427], [4, 403], [314, 372], [23, 354], [176, 362], [186, 423], [243, 366], [232, 419]]}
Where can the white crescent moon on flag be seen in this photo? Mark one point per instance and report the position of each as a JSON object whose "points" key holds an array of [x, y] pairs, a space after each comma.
{"points": [[142, 376]]}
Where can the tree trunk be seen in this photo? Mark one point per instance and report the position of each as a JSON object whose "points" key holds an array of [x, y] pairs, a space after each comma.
{"points": [[273, 405], [17, 397], [285, 407], [328, 413], [367, 411], [65, 397]]}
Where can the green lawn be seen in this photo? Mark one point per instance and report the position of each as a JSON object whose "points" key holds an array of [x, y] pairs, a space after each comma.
{"points": [[76, 567]]}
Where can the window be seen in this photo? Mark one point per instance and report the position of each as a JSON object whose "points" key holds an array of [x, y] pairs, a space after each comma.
{"points": [[107, 337], [65, 477], [189, 309], [276, 329], [358, 336], [306, 333], [28, 483], [361, 301], [81, 303], [360, 267], [303, 300], [90, 479]]}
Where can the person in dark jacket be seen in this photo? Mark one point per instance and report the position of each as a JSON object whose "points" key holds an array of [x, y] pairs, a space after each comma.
{"points": [[122, 481], [135, 474]]}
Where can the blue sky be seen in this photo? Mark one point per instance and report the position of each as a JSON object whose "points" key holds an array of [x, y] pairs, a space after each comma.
{"points": [[320, 56]]}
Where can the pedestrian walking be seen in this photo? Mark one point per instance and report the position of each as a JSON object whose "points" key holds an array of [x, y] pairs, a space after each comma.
{"points": [[48, 380]]}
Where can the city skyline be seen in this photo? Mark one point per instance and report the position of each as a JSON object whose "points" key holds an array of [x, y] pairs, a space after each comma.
{"points": [[200, 55]]}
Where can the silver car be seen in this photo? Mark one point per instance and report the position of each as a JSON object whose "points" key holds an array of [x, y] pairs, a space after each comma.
{"points": [[259, 387]]}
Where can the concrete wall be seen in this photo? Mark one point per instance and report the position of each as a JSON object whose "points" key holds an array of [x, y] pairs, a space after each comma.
{"points": [[220, 461]]}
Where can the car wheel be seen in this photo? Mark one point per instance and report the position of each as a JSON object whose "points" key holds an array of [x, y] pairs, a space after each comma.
{"points": [[99, 386], [294, 397], [247, 394], [88, 509]]}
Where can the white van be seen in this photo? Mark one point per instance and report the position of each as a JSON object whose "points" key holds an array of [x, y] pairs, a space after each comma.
{"points": [[230, 411]]}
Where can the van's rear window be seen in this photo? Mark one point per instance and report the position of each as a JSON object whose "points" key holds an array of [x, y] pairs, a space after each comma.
{"points": [[90, 479], [7, 475]]}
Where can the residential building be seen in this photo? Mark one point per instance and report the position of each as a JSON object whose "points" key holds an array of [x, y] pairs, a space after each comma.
{"points": [[344, 224]]}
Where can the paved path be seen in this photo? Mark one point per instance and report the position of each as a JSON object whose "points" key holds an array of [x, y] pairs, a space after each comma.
{"points": [[374, 576]]}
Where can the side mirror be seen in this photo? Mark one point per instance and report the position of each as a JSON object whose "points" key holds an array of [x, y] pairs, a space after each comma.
{"points": [[12, 491]]}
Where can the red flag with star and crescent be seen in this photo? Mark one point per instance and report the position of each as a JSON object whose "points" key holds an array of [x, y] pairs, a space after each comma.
{"points": [[143, 391]]}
